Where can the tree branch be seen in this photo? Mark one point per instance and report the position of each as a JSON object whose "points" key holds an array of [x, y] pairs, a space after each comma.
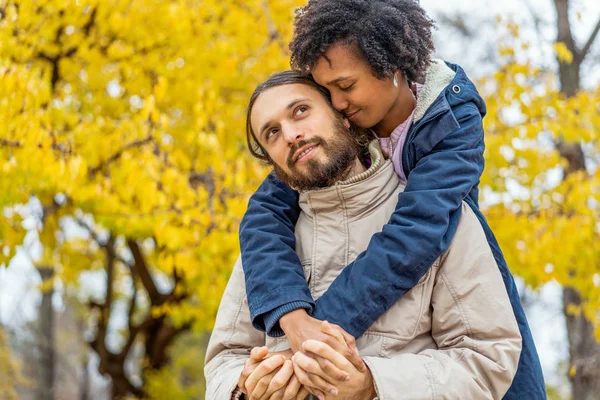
{"points": [[60, 147], [137, 143], [588, 44], [132, 303], [99, 342], [10, 143], [100, 242], [133, 333], [110, 272], [141, 270], [563, 24]]}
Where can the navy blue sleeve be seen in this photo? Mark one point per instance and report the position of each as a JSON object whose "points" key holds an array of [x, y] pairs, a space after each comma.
{"points": [[271, 318], [449, 165], [275, 282]]}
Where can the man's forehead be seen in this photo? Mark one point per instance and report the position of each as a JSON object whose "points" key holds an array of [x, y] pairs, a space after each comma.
{"points": [[270, 103], [281, 95]]}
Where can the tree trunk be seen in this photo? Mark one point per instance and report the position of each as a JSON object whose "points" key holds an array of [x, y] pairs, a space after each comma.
{"points": [[584, 350], [45, 386], [84, 383], [569, 73]]}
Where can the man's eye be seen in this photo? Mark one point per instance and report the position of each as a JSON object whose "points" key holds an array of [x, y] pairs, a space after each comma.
{"points": [[272, 132], [300, 110]]}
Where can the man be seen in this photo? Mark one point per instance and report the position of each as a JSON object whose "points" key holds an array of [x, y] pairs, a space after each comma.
{"points": [[453, 336]]}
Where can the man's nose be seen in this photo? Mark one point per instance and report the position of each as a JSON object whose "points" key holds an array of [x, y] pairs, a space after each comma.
{"points": [[293, 134], [339, 101]]}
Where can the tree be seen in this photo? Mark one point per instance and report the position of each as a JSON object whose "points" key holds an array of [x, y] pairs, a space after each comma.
{"points": [[10, 373], [124, 122], [542, 158]]}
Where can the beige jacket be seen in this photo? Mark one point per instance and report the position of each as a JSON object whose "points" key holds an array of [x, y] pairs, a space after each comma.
{"points": [[453, 336]]}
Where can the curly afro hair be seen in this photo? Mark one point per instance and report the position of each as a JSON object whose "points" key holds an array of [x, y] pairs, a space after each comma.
{"points": [[388, 34]]}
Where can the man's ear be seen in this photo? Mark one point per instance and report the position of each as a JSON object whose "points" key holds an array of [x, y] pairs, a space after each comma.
{"points": [[346, 123]]}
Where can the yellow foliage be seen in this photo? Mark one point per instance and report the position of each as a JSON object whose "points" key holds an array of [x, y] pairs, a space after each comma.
{"points": [[131, 113], [10, 375], [563, 53], [547, 225]]}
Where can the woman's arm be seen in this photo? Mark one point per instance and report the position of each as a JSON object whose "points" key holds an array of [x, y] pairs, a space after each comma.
{"points": [[419, 231], [275, 282]]}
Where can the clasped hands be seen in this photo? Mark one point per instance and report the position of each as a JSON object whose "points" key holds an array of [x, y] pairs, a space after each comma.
{"points": [[323, 360]]}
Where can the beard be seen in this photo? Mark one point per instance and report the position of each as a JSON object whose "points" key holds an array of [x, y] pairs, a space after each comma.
{"points": [[340, 152]]}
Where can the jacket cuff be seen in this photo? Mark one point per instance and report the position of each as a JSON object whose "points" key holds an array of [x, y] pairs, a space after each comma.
{"points": [[275, 299], [271, 318], [376, 379], [237, 394]]}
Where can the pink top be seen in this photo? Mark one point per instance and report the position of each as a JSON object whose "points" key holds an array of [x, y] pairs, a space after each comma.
{"points": [[396, 141]]}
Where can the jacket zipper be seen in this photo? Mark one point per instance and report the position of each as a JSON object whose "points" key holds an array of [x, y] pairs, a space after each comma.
{"points": [[406, 156]]}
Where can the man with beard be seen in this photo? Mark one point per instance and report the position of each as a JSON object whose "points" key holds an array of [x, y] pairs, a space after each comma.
{"points": [[453, 336]]}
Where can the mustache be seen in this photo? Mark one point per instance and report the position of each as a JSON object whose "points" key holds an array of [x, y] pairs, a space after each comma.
{"points": [[290, 160]]}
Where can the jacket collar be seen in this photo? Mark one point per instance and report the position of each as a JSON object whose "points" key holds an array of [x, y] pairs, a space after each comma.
{"points": [[357, 195], [437, 78]]}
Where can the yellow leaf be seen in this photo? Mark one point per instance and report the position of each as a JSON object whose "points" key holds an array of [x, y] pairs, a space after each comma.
{"points": [[563, 53]]}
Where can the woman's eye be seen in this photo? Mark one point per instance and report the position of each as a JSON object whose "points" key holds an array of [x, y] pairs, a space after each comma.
{"points": [[345, 89]]}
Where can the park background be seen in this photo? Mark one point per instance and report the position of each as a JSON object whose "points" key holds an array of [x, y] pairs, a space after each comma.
{"points": [[124, 174]]}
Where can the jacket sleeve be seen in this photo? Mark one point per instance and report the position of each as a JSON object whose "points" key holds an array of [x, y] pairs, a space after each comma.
{"points": [[473, 326], [231, 341], [450, 163], [275, 282]]}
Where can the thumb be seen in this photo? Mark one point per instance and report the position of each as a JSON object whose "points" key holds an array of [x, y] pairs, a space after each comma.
{"points": [[329, 329], [258, 353], [355, 358]]}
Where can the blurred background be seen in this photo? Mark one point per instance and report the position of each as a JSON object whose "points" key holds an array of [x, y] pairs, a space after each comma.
{"points": [[124, 174]]}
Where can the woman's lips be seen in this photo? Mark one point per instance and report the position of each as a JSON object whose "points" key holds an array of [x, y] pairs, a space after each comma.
{"points": [[352, 115]]}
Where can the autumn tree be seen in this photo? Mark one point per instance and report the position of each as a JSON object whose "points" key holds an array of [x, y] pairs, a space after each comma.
{"points": [[10, 373], [122, 137], [542, 158]]}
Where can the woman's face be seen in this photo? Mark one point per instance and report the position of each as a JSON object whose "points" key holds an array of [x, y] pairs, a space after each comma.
{"points": [[355, 91]]}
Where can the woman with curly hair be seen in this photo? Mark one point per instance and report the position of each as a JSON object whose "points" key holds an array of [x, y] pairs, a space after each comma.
{"points": [[374, 58]]}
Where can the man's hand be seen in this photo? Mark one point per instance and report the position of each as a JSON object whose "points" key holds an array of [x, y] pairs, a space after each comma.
{"points": [[294, 390], [300, 327], [359, 385], [261, 367], [322, 376]]}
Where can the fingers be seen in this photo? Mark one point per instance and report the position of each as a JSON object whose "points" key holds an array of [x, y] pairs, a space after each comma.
{"points": [[329, 329], [326, 351], [279, 380], [258, 353], [334, 341], [331, 370], [249, 366], [303, 377], [349, 350], [355, 358], [293, 388], [325, 356], [302, 393], [266, 367], [357, 361], [278, 395], [310, 374], [261, 387]]}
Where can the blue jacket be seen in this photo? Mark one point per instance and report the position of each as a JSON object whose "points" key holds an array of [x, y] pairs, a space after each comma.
{"points": [[443, 161]]}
